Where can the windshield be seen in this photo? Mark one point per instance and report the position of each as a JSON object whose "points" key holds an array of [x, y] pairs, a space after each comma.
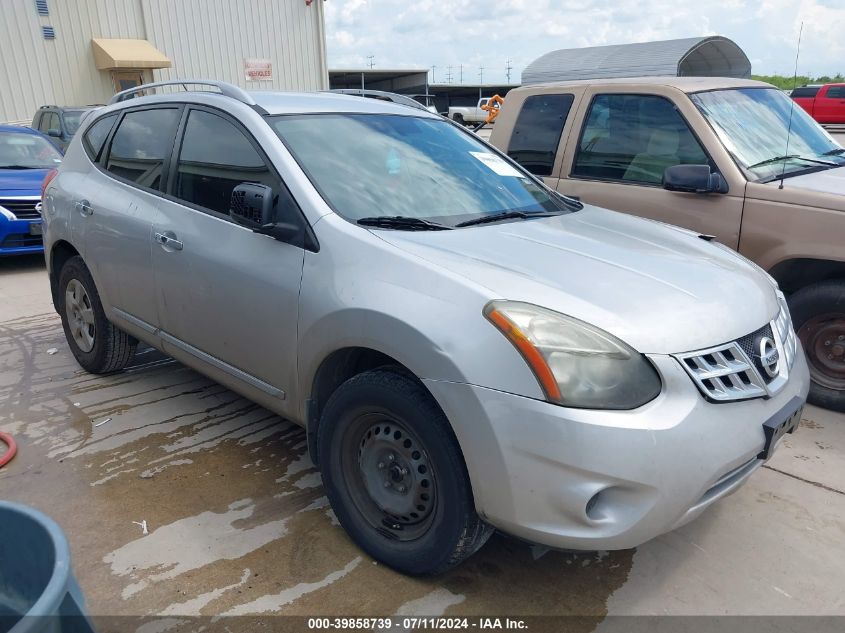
{"points": [[753, 122], [72, 119], [19, 150], [374, 165]]}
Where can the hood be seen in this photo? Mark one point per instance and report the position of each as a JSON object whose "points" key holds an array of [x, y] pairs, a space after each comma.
{"points": [[825, 181], [21, 182], [661, 289]]}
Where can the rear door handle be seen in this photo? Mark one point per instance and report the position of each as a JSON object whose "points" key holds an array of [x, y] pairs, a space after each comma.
{"points": [[168, 240], [84, 207]]}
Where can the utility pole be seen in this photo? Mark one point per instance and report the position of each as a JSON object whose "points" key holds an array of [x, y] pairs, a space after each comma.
{"points": [[508, 69], [449, 74], [462, 74], [371, 60], [432, 74], [481, 74]]}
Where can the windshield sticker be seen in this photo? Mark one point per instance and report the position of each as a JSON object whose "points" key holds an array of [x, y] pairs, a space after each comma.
{"points": [[497, 164]]}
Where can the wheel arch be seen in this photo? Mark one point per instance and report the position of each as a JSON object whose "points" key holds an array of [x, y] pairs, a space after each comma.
{"points": [[800, 272], [60, 252], [335, 369]]}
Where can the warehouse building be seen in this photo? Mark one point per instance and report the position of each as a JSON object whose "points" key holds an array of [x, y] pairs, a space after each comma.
{"points": [[78, 52], [414, 82], [713, 56]]}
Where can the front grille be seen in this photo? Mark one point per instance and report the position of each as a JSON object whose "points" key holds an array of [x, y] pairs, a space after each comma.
{"points": [[756, 365], [23, 209]]}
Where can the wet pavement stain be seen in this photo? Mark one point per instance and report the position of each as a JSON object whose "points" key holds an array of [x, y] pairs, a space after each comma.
{"points": [[237, 519]]}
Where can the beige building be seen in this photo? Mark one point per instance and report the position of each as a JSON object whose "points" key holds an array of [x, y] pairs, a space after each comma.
{"points": [[78, 52]]}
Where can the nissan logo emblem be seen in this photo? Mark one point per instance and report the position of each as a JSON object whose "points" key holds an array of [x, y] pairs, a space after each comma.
{"points": [[769, 356], [38, 207]]}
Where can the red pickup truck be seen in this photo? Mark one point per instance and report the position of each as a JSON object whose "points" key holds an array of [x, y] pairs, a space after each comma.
{"points": [[826, 104]]}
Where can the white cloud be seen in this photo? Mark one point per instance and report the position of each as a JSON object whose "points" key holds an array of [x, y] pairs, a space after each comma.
{"points": [[422, 33]]}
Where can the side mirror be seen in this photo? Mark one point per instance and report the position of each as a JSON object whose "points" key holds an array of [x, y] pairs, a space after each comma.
{"points": [[251, 206], [54, 133], [693, 179]]}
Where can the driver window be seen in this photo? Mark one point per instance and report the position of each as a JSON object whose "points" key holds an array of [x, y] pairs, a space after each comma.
{"points": [[215, 157], [634, 138]]}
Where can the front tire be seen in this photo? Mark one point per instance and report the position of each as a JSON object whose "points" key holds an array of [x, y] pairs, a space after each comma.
{"points": [[98, 346], [818, 313], [459, 119], [395, 475]]}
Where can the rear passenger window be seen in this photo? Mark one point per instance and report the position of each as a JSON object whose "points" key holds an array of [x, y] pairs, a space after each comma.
{"points": [[805, 91], [215, 158], [96, 135], [536, 134], [634, 138], [141, 144]]}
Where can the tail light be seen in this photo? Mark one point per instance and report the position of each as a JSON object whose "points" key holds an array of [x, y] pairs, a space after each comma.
{"points": [[47, 180]]}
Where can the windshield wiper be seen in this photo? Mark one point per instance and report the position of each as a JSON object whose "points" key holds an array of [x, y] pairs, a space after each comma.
{"points": [[508, 215], [403, 222], [19, 167], [777, 159], [834, 152]]}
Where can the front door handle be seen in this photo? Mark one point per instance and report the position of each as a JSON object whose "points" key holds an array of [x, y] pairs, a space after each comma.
{"points": [[168, 240], [84, 207]]}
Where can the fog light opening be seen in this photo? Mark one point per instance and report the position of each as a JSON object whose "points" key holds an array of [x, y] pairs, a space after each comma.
{"points": [[592, 510]]}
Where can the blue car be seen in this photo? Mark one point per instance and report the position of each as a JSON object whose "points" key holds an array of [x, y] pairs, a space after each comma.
{"points": [[26, 156]]}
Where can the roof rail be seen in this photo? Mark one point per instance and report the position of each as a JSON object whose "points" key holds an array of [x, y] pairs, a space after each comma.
{"points": [[225, 89]]}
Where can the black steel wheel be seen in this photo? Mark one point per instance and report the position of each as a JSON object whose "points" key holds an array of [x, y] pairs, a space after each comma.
{"points": [[395, 475], [818, 313]]}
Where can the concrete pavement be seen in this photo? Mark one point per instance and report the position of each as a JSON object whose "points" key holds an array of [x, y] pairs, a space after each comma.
{"points": [[238, 523]]}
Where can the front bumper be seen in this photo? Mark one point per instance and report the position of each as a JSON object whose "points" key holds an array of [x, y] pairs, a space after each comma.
{"points": [[585, 479], [16, 238]]}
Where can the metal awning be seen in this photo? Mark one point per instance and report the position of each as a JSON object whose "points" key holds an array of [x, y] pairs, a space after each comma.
{"points": [[110, 54], [712, 56]]}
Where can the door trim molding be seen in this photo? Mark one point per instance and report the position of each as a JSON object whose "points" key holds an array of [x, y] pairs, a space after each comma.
{"points": [[201, 355]]}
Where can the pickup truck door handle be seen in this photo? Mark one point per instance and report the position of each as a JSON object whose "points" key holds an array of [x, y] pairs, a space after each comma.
{"points": [[168, 240], [84, 207]]}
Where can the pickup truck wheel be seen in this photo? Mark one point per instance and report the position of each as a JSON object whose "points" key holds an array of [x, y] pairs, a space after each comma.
{"points": [[98, 346], [818, 312], [459, 119], [395, 475]]}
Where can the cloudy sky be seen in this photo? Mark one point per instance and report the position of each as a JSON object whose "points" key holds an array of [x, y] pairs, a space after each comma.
{"points": [[422, 33]]}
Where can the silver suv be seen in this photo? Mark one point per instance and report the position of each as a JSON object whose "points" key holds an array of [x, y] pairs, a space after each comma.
{"points": [[467, 349]]}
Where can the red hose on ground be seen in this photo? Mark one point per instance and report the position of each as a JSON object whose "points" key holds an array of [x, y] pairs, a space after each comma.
{"points": [[10, 453]]}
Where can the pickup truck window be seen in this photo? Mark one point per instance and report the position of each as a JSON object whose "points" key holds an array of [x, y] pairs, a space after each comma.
{"points": [[836, 92], [752, 124], [634, 138], [536, 134], [806, 91]]}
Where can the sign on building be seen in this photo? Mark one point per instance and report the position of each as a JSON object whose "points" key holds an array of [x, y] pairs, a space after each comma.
{"points": [[258, 69]]}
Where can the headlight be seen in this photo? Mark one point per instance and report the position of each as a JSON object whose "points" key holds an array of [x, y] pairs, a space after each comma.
{"points": [[576, 364]]}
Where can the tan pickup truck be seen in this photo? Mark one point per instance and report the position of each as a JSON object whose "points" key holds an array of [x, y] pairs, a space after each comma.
{"points": [[711, 155]]}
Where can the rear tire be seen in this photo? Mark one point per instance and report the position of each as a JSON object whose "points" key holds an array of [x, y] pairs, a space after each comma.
{"points": [[395, 475], [818, 313], [459, 119], [98, 346]]}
